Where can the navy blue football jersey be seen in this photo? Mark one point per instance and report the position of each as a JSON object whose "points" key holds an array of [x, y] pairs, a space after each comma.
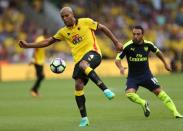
{"points": [[137, 57]]}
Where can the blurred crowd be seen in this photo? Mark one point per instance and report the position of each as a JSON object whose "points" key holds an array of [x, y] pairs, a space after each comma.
{"points": [[161, 19]]}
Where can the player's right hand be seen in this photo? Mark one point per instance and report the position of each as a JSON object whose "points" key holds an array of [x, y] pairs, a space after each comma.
{"points": [[23, 44]]}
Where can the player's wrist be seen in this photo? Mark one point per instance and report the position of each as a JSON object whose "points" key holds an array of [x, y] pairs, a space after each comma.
{"points": [[116, 42]]}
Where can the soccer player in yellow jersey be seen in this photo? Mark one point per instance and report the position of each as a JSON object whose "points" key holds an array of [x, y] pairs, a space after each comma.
{"points": [[79, 34], [38, 61]]}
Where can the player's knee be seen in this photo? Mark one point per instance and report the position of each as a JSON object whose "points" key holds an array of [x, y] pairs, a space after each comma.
{"points": [[156, 91], [79, 85], [83, 64]]}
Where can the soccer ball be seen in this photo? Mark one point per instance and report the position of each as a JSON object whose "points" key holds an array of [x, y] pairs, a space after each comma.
{"points": [[57, 65]]}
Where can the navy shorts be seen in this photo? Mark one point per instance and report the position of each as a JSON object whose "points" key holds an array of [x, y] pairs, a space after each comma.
{"points": [[93, 58], [150, 83]]}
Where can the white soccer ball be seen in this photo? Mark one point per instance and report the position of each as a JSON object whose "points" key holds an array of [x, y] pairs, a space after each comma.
{"points": [[57, 65]]}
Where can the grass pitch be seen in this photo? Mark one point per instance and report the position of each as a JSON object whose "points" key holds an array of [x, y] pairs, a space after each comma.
{"points": [[56, 109]]}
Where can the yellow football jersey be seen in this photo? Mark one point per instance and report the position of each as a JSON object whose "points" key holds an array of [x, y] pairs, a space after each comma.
{"points": [[80, 37], [39, 53]]}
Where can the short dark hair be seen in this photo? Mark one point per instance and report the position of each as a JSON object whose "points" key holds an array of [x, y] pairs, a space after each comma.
{"points": [[139, 27]]}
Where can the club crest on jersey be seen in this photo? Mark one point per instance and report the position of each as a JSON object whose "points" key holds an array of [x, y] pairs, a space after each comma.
{"points": [[133, 49], [76, 39], [146, 48]]}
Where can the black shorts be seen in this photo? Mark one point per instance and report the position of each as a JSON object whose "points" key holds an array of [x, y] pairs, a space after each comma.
{"points": [[150, 83], [93, 58]]}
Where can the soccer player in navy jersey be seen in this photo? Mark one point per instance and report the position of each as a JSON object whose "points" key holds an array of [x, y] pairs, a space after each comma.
{"points": [[139, 74]]}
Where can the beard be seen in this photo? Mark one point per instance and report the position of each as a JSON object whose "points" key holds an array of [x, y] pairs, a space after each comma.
{"points": [[68, 24], [136, 41]]}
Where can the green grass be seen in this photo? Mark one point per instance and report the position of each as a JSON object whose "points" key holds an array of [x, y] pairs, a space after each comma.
{"points": [[56, 109]]}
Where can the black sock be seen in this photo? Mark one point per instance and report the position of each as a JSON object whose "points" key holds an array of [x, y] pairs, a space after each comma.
{"points": [[80, 100], [95, 78]]}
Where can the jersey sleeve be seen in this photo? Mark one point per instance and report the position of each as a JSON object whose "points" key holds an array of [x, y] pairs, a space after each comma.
{"points": [[153, 48], [91, 23], [59, 35], [120, 55]]}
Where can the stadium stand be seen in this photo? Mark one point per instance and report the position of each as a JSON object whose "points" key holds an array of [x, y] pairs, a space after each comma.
{"points": [[163, 20]]}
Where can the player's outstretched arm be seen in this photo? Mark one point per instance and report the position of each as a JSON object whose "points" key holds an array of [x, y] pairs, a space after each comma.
{"points": [[108, 33], [41, 44], [160, 55]]}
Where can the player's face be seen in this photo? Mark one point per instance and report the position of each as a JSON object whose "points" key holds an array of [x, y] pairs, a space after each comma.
{"points": [[137, 36], [68, 18]]}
